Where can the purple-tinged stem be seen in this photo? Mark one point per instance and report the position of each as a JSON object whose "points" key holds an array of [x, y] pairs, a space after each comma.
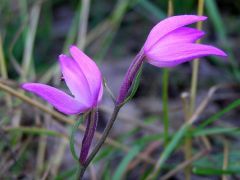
{"points": [[92, 120], [124, 90], [101, 141], [130, 76]]}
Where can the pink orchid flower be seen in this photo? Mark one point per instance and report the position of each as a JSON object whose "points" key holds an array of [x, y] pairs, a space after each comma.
{"points": [[168, 44], [84, 80], [171, 43], [82, 77]]}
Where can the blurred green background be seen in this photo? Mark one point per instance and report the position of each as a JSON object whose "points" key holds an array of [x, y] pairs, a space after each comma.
{"points": [[34, 33]]}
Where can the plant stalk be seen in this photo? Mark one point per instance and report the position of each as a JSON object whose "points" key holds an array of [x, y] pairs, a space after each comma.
{"points": [[193, 92], [165, 79], [101, 141]]}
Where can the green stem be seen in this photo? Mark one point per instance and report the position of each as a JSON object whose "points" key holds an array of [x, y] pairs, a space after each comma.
{"points": [[78, 171], [165, 104]]}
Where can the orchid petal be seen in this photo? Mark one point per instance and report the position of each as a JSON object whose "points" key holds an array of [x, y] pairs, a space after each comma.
{"points": [[60, 100], [180, 35], [174, 54], [166, 26], [75, 80], [89, 69]]}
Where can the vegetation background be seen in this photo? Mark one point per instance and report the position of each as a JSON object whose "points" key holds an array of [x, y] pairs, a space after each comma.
{"points": [[152, 133]]}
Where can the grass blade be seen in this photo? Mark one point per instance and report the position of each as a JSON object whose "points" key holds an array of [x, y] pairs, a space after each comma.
{"points": [[124, 163]]}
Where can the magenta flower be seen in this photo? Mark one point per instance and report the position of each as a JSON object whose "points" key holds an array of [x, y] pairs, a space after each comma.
{"points": [[84, 80], [82, 77], [170, 43]]}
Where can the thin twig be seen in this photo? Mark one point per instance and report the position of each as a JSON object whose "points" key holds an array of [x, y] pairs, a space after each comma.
{"points": [[186, 125]]}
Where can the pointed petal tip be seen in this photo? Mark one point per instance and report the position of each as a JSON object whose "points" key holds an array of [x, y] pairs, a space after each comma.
{"points": [[73, 46], [203, 18], [62, 56], [75, 50], [26, 86], [217, 52], [200, 18], [222, 54]]}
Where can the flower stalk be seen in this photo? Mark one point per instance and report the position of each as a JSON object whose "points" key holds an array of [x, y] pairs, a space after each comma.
{"points": [[91, 126], [101, 141]]}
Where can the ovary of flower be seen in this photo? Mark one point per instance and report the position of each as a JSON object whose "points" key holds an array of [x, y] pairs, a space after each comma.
{"points": [[83, 79], [171, 43]]}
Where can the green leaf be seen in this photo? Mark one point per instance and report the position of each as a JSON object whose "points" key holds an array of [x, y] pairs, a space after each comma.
{"points": [[170, 148], [103, 153], [220, 30], [148, 138], [152, 9], [213, 171], [214, 131], [35, 131], [216, 116], [74, 128], [67, 174], [124, 163]]}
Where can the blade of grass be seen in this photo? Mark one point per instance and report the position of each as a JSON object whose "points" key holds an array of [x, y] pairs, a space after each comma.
{"points": [[74, 128], [115, 21], [124, 163], [212, 171], [30, 38], [62, 118], [70, 38], [82, 32], [183, 165], [219, 26], [3, 71], [214, 131], [151, 8], [168, 150], [216, 116], [34, 131], [225, 157]]}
